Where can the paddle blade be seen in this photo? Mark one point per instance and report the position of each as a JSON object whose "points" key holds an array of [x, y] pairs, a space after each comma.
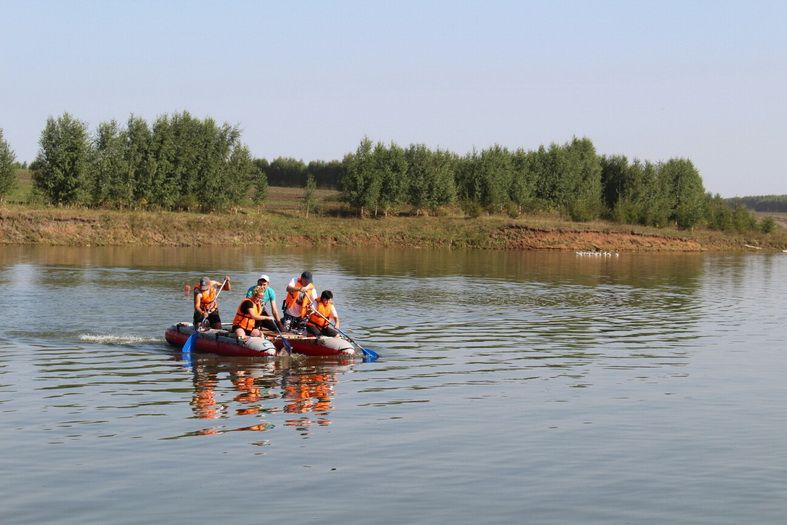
{"points": [[189, 343], [370, 355]]}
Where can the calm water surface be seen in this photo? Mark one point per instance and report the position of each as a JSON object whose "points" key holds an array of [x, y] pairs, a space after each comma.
{"points": [[514, 387]]}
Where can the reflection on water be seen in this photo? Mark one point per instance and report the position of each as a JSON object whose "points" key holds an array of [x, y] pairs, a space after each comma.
{"points": [[536, 386], [226, 389]]}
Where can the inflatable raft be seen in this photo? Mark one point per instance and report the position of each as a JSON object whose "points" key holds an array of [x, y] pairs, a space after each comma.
{"points": [[222, 342]]}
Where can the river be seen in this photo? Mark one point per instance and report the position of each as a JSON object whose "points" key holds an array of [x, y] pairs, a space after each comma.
{"points": [[513, 387]]}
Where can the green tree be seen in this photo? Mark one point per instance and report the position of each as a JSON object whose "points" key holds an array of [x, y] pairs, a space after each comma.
{"points": [[109, 182], [582, 180], [361, 182], [391, 166], [641, 194], [614, 176], [260, 181], [7, 170], [310, 195], [686, 193], [718, 214], [486, 178], [286, 171], [236, 176], [523, 185], [139, 161], [431, 176], [767, 224], [326, 174], [62, 160]]}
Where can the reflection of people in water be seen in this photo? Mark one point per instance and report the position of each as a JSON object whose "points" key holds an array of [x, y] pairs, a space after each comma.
{"points": [[306, 393], [250, 383], [309, 392]]}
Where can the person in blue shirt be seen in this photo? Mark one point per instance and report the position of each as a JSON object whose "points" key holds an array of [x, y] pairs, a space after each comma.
{"points": [[269, 298]]}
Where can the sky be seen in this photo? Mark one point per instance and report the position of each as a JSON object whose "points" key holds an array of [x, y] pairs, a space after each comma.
{"points": [[651, 80]]}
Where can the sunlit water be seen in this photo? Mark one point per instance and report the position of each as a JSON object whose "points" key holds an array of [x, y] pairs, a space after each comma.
{"points": [[514, 387]]}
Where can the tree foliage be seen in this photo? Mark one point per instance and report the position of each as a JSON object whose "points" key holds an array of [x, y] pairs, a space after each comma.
{"points": [[63, 161], [177, 163], [7, 168]]}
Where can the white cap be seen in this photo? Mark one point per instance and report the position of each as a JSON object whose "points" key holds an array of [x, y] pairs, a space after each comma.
{"points": [[264, 277]]}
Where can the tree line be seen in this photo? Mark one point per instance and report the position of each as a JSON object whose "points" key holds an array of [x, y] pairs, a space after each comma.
{"points": [[771, 203], [570, 178], [179, 162]]}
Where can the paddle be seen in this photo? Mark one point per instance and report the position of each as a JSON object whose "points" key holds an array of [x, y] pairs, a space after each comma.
{"points": [[193, 337], [367, 352], [283, 340]]}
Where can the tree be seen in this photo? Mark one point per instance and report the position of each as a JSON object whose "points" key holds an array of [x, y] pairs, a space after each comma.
{"points": [[614, 175], [361, 182], [109, 182], [286, 171], [326, 174], [62, 160], [391, 166], [523, 185], [260, 181], [686, 194], [582, 180], [310, 195], [140, 162], [7, 171], [431, 177]]}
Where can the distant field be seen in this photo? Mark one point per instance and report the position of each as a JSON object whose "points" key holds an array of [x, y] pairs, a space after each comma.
{"points": [[24, 182], [289, 201], [280, 199], [779, 217]]}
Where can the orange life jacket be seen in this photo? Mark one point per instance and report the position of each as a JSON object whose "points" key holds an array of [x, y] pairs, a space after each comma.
{"points": [[207, 299], [301, 298], [244, 319], [324, 309]]}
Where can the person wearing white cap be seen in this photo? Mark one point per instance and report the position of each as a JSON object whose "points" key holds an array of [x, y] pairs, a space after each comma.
{"points": [[269, 298]]}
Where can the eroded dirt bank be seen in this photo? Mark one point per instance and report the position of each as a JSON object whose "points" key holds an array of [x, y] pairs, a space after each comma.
{"points": [[76, 227]]}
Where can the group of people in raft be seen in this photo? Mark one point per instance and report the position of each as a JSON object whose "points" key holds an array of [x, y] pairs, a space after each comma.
{"points": [[302, 308]]}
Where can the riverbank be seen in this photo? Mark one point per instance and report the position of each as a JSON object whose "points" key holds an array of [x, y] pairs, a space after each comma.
{"points": [[83, 227]]}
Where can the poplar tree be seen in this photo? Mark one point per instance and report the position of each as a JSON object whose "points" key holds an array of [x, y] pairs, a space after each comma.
{"points": [[687, 196], [7, 171], [361, 183], [310, 195], [523, 185], [391, 166], [260, 180], [62, 162], [109, 183], [140, 162]]}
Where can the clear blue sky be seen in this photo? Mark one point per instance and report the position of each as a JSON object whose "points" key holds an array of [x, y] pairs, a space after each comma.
{"points": [[706, 80]]}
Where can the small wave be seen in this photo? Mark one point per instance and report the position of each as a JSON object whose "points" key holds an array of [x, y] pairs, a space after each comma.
{"points": [[117, 339]]}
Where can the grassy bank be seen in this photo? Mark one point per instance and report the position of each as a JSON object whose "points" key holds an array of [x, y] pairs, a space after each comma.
{"points": [[282, 222], [283, 226]]}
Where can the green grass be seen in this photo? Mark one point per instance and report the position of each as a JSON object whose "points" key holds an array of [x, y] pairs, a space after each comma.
{"points": [[24, 184]]}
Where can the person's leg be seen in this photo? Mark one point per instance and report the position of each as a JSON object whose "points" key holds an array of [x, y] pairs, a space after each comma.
{"points": [[214, 320], [328, 331], [267, 324], [198, 318], [313, 330]]}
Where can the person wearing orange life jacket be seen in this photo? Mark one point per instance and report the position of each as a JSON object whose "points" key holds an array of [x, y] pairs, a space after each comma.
{"points": [[205, 305], [300, 293], [323, 311], [250, 310]]}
